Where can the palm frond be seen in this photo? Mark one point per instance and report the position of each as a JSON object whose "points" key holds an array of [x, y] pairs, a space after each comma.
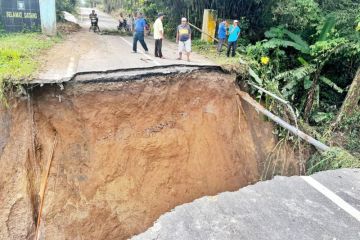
{"points": [[290, 88], [298, 40], [275, 32], [328, 26], [298, 73], [331, 84], [255, 76], [276, 42]]}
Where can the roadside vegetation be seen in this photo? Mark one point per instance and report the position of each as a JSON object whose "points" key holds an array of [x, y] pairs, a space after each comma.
{"points": [[65, 5], [18, 54]]}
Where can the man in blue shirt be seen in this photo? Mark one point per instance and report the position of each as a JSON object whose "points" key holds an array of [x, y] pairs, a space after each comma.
{"points": [[234, 33], [221, 35], [140, 28]]}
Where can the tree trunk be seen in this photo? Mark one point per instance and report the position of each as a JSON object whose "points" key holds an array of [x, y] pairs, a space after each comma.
{"points": [[311, 95], [352, 99]]}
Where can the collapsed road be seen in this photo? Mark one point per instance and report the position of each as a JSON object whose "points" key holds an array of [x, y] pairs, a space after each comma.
{"points": [[104, 154], [91, 149]]}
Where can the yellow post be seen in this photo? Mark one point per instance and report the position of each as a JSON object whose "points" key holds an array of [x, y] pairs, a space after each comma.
{"points": [[209, 25]]}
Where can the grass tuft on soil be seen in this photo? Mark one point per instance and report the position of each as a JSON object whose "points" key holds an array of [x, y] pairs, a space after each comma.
{"points": [[229, 64], [334, 158], [18, 54]]}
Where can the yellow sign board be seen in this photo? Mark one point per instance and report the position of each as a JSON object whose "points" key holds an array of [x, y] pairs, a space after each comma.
{"points": [[209, 25]]}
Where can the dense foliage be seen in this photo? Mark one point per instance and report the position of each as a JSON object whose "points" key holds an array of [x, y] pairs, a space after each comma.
{"points": [[91, 3], [193, 10], [65, 5]]}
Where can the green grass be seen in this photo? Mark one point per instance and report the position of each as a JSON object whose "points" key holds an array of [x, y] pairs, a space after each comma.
{"points": [[335, 158], [18, 56], [18, 53], [237, 64], [209, 50]]}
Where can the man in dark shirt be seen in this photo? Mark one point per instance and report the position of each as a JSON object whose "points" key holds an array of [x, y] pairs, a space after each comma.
{"points": [[140, 28], [93, 15], [183, 38]]}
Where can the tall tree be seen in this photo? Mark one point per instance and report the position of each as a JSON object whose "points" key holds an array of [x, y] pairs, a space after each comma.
{"points": [[352, 100]]}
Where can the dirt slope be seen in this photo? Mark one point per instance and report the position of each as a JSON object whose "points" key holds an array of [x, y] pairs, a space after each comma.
{"points": [[126, 153]]}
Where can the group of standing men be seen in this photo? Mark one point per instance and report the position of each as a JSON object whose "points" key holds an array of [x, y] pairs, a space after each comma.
{"points": [[183, 36], [231, 34]]}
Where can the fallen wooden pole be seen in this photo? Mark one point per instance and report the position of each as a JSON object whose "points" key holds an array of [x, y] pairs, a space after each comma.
{"points": [[246, 97], [43, 188], [286, 103], [215, 39]]}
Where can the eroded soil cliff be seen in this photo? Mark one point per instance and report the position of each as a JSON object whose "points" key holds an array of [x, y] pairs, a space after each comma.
{"points": [[123, 153]]}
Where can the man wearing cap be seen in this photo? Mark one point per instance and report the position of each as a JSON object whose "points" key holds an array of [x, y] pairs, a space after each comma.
{"points": [[183, 38], [159, 35], [234, 33], [140, 28]]}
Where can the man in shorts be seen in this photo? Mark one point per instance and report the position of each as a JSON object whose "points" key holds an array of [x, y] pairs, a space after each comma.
{"points": [[183, 38]]}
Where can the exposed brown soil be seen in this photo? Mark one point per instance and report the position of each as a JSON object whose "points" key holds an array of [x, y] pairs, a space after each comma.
{"points": [[67, 27], [127, 152]]}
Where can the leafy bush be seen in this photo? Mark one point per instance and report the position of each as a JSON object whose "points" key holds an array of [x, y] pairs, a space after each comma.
{"points": [[65, 5], [297, 15], [351, 130], [299, 65]]}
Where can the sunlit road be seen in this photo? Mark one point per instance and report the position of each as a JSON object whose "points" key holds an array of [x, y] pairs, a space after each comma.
{"points": [[106, 22], [87, 51]]}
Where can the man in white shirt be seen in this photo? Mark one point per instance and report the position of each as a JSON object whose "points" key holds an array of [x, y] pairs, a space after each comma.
{"points": [[159, 35]]}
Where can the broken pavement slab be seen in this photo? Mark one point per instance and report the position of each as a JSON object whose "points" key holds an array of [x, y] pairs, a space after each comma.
{"points": [[122, 75], [284, 208]]}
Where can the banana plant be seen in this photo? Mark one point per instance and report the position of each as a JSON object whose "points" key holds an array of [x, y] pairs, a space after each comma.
{"points": [[312, 60]]}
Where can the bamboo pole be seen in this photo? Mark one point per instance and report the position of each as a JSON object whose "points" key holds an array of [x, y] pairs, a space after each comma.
{"points": [[215, 39], [43, 186], [246, 97], [286, 103]]}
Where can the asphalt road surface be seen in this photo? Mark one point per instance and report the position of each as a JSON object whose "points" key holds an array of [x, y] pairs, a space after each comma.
{"points": [[322, 207], [86, 51]]}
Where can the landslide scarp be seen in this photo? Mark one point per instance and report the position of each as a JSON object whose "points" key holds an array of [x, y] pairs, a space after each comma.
{"points": [[126, 152]]}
